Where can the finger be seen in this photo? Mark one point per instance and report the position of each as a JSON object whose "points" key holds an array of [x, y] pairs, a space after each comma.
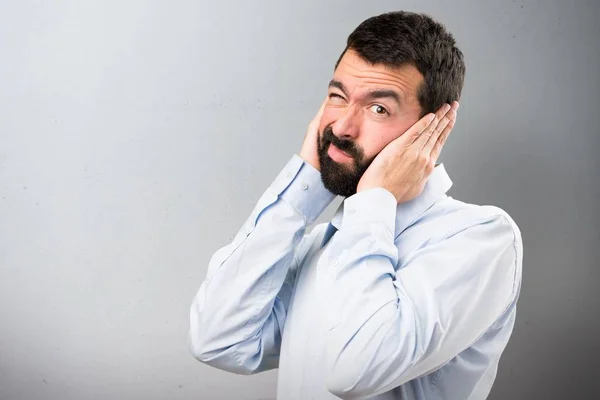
{"points": [[320, 112], [415, 131], [317, 118], [437, 148], [447, 113], [423, 138], [440, 128], [321, 109]]}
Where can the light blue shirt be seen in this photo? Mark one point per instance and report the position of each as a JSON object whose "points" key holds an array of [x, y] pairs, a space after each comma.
{"points": [[387, 301]]}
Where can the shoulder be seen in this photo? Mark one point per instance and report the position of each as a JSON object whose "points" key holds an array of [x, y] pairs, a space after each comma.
{"points": [[457, 217], [488, 238], [486, 232]]}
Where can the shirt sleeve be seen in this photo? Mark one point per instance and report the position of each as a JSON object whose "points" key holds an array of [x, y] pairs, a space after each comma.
{"points": [[238, 314], [388, 325]]}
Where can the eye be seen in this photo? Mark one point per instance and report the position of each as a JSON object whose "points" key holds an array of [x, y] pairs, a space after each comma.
{"points": [[378, 109], [336, 97]]}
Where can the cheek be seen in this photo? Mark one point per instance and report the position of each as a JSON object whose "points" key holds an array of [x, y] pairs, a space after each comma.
{"points": [[375, 139]]}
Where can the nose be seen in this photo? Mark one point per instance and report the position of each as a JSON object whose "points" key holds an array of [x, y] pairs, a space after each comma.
{"points": [[347, 125]]}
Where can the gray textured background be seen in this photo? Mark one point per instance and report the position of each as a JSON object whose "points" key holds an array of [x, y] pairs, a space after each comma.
{"points": [[136, 136]]}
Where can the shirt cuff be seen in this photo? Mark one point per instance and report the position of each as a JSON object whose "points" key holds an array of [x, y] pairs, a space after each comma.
{"points": [[299, 184], [373, 206]]}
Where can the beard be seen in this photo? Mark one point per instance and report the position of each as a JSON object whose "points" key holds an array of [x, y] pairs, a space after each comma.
{"points": [[341, 178]]}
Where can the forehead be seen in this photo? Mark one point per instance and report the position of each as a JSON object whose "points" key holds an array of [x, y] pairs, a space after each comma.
{"points": [[356, 74]]}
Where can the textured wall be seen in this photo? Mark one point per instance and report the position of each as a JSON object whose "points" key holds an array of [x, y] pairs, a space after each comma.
{"points": [[136, 136]]}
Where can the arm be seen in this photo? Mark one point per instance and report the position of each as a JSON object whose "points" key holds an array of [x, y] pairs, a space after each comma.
{"points": [[389, 327], [239, 312]]}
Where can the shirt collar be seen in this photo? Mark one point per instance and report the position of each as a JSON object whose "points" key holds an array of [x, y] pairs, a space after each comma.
{"points": [[407, 213]]}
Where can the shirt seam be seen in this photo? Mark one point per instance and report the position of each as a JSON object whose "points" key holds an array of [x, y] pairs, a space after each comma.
{"points": [[298, 212]]}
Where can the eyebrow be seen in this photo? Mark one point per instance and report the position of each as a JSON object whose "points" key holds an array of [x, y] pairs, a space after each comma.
{"points": [[334, 83], [374, 94], [384, 93]]}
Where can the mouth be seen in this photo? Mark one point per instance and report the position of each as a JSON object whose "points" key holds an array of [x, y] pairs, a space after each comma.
{"points": [[338, 155]]}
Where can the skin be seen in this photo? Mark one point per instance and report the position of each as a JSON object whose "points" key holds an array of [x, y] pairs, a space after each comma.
{"points": [[377, 109]]}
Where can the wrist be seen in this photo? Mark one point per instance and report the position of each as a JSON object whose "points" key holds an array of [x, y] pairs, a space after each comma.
{"points": [[373, 206], [310, 160], [365, 188]]}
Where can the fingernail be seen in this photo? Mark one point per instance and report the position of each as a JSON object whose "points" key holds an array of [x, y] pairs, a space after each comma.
{"points": [[447, 107]]}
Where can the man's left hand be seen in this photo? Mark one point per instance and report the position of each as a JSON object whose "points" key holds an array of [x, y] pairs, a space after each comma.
{"points": [[404, 165]]}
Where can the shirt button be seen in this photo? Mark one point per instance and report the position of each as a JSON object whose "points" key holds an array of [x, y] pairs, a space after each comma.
{"points": [[304, 186]]}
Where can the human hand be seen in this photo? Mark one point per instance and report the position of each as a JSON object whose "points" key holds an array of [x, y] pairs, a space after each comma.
{"points": [[310, 146], [404, 165]]}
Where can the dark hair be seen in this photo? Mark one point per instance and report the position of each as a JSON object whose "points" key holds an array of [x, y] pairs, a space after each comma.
{"points": [[398, 38]]}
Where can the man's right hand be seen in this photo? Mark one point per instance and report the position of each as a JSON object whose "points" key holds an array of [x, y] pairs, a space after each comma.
{"points": [[310, 146]]}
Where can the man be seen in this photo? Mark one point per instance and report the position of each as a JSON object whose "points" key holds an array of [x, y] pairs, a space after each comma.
{"points": [[406, 293]]}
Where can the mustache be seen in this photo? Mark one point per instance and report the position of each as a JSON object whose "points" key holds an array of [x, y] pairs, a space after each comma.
{"points": [[346, 146]]}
